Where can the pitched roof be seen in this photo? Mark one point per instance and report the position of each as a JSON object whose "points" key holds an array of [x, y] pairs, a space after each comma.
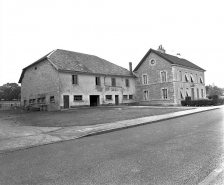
{"points": [[79, 62], [170, 58], [64, 60]]}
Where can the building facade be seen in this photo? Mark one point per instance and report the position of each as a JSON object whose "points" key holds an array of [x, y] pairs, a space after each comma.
{"points": [[166, 79], [64, 79]]}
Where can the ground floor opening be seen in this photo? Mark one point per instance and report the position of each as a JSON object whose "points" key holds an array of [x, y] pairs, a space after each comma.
{"points": [[94, 100]]}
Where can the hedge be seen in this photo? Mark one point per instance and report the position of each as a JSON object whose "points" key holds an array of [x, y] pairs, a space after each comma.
{"points": [[203, 102]]}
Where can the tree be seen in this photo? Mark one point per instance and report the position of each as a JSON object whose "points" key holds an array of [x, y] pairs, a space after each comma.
{"points": [[10, 91], [213, 90]]}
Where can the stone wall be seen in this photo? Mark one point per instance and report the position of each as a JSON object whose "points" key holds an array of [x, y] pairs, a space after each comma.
{"points": [[155, 84]]}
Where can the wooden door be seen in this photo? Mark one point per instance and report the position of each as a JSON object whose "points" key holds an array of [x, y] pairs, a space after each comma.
{"points": [[66, 101]]}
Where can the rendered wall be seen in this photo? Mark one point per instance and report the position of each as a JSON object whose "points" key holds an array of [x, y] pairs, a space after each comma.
{"points": [[87, 86], [41, 80]]}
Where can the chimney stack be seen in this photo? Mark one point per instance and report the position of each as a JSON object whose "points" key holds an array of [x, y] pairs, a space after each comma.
{"points": [[161, 49], [130, 67]]}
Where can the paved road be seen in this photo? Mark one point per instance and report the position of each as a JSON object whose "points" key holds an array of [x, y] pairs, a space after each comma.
{"points": [[178, 151]]}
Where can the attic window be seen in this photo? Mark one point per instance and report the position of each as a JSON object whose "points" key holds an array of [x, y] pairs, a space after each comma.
{"points": [[35, 68]]}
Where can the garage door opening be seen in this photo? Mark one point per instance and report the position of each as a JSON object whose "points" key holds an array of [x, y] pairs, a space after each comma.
{"points": [[94, 100]]}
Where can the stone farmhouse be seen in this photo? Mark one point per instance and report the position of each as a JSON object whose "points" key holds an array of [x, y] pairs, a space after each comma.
{"points": [[167, 79], [64, 79]]}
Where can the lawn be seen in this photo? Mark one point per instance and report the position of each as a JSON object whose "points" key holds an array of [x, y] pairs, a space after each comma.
{"points": [[79, 117]]}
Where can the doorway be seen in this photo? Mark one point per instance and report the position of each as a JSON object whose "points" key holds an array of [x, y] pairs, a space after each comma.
{"points": [[116, 100], [94, 100], [66, 101]]}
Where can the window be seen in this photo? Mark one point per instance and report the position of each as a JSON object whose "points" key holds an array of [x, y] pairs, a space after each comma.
{"points": [[130, 97], [202, 94], [163, 76], [180, 73], [186, 78], [192, 79], [108, 97], [24, 102], [145, 95], [75, 79], [127, 82], [152, 62], [201, 80], [113, 81], [97, 80], [52, 99], [145, 79], [181, 95], [39, 100], [34, 101], [164, 91], [125, 97], [77, 97], [187, 92], [197, 93], [30, 101], [43, 100]]}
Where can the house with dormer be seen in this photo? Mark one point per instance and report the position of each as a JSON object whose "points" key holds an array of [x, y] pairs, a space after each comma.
{"points": [[167, 79], [64, 79]]}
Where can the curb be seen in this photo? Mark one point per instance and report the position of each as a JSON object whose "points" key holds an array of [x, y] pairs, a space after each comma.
{"points": [[103, 131]]}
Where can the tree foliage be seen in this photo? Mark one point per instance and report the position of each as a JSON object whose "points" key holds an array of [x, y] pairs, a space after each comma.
{"points": [[10, 91], [213, 90]]}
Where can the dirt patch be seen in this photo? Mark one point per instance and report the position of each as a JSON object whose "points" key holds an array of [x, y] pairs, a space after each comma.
{"points": [[79, 117]]}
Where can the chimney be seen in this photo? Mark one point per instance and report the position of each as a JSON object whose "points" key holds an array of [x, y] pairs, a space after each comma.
{"points": [[130, 67], [161, 49]]}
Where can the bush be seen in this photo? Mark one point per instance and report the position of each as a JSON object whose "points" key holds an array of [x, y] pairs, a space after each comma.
{"points": [[200, 102]]}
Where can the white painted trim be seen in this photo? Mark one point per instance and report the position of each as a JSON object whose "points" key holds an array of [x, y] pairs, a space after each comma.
{"points": [[51, 53], [143, 79], [161, 79], [162, 93]]}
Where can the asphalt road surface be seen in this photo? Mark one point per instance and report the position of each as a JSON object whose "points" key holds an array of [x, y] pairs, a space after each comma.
{"points": [[177, 151]]}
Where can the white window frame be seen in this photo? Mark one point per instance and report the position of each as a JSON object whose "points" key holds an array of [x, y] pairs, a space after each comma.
{"points": [[74, 80], [78, 99], [143, 81], [201, 79], [191, 77], [161, 76], [164, 98], [110, 96], [186, 77]]}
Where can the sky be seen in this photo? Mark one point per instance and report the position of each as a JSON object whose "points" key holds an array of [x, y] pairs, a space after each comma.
{"points": [[119, 31]]}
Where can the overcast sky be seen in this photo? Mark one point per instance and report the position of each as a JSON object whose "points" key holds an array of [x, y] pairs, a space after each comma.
{"points": [[120, 31]]}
